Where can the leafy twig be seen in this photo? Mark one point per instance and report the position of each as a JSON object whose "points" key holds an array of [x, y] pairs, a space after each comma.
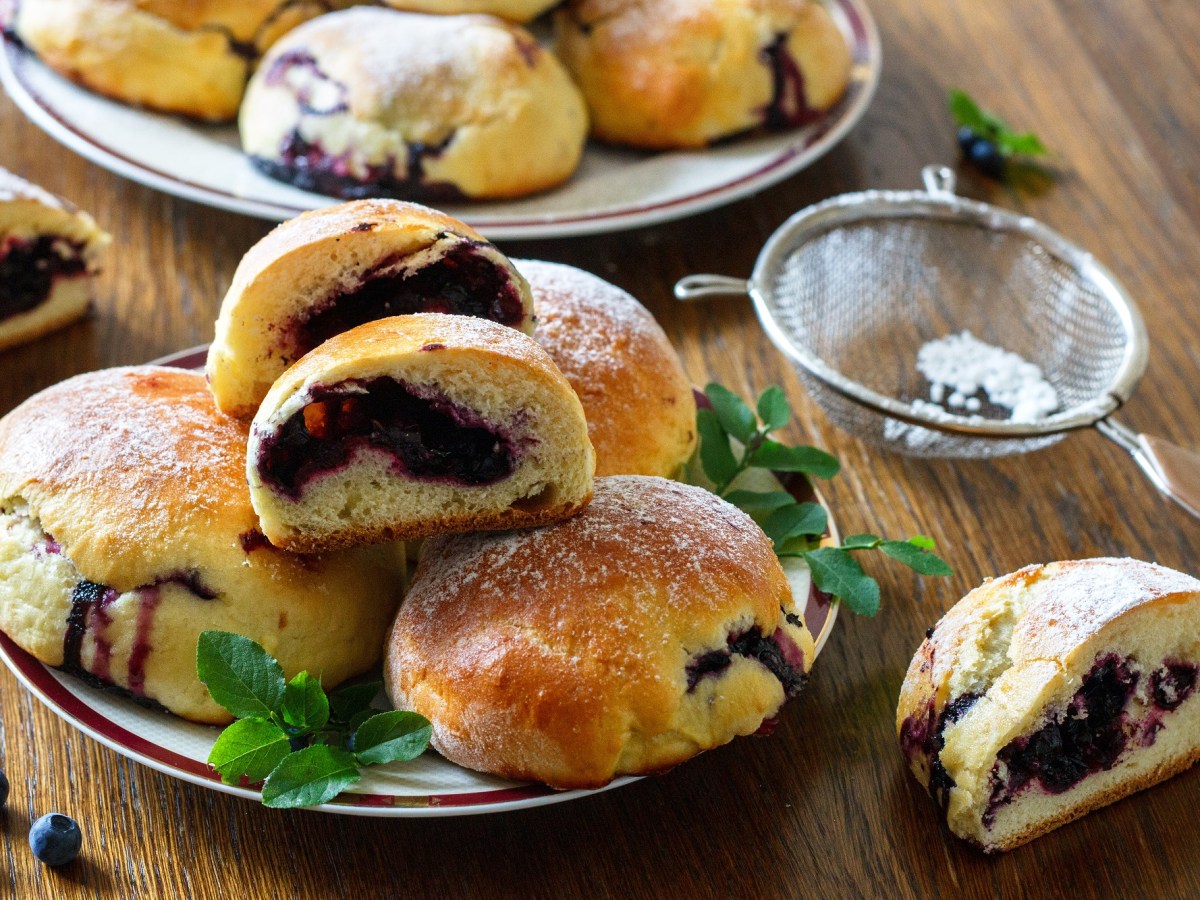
{"points": [[306, 747], [735, 440]]}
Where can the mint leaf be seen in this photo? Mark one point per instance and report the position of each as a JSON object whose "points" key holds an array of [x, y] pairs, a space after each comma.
{"points": [[716, 456], [250, 748], [239, 674], [836, 572], [305, 706], [346, 702], [756, 503], [795, 520], [310, 776], [916, 558], [732, 412], [1021, 145], [809, 460], [968, 113], [773, 408], [860, 542], [393, 736], [920, 540]]}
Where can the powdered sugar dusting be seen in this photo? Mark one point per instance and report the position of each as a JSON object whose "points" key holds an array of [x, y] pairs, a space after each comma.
{"points": [[645, 547], [960, 367]]}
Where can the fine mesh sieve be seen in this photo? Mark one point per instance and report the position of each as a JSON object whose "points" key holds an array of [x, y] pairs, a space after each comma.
{"points": [[852, 288]]}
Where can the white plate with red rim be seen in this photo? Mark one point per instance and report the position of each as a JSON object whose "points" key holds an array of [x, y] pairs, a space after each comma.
{"points": [[613, 190], [426, 786]]}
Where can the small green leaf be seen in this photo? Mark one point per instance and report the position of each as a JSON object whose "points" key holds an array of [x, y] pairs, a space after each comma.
{"points": [[916, 558], [836, 572], [305, 706], [795, 520], [860, 542], [716, 456], [239, 674], [757, 503], [1021, 145], [250, 748], [809, 460], [969, 113], [348, 701], [310, 776], [773, 408], [920, 540], [393, 736], [732, 412]]}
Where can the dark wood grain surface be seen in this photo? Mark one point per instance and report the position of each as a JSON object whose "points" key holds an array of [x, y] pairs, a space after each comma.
{"points": [[824, 806]]}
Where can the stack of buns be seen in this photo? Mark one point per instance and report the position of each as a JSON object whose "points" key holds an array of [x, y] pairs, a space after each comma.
{"points": [[436, 100], [374, 380]]}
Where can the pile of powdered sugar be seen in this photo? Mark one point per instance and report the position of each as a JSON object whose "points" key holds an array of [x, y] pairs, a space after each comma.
{"points": [[960, 366]]}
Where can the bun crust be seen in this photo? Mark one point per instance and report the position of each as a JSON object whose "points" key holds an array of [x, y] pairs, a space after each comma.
{"points": [[603, 645], [329, 269], [685, 73], [639, 403], [1097, 657], [492, 389], [513, 10], [374, 102], [130, 480], [190, 58]]}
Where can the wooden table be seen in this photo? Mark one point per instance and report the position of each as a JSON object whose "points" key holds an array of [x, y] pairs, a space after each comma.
{"points": [[825, 806]]}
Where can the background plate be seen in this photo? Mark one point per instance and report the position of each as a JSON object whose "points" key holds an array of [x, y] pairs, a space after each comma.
{"points": [[427, 786], [613, 189]]}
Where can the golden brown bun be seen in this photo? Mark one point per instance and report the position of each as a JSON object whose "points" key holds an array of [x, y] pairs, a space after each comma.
{"points": [[513, 10], [308, 264], [639, 404], [192, 58], [573, 653], [464, 375], [129, 479], [685, 73], [29, 214], [1095, 657], [373, 102]]}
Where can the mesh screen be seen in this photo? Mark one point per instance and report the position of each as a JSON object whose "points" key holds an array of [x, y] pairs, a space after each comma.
{"points": [[865, 297]]}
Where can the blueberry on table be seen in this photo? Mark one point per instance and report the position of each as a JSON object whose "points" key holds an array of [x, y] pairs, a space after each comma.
{"points": [[985, 156], [55, 839], [968, 137]]}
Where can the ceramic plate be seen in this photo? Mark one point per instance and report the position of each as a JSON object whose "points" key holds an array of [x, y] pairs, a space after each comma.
{"points": [[427, 786], [613, 189]]}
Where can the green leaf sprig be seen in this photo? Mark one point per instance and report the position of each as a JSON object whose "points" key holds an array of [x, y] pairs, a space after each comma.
{"points": [[969, 114], [736, 446], [306, 747]]}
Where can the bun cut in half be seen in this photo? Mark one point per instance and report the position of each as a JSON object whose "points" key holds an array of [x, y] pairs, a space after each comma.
{"points": [[1053, 691], [328, 270], [653, 625], [417, 425]]}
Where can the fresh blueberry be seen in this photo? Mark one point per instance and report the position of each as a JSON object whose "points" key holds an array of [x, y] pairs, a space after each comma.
{"points": [[987, 158], [3, 789], [55, 839], [968, 137]]}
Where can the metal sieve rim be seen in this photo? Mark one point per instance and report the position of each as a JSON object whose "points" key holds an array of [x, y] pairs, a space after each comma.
{"points": [[940, 202]]}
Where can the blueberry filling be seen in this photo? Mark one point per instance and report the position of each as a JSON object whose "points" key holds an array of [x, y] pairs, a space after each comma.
{"points": [[333, 99], [306, 165], [427, 436], [1091, 734], [788, 106], [1172, 684], [28, 269], [462, 282], [777, 653]]}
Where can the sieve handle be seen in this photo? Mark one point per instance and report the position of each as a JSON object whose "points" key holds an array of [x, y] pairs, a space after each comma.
{"points": [[699, 287], [1174, 470]]}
